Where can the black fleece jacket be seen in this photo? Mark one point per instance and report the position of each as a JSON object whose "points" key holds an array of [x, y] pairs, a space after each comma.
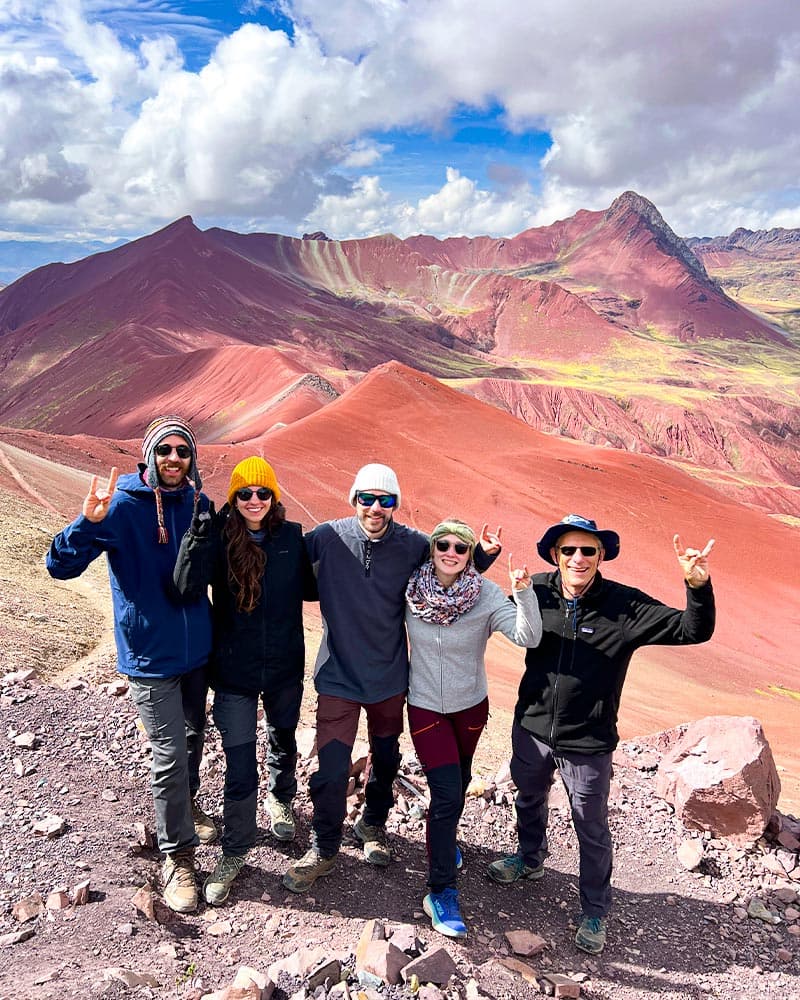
{"points": [[570, 692], [256, 651]]}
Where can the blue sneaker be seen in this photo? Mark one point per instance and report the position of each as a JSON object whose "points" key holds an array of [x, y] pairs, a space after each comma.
{"points": [[445, 913], [459, 859]]}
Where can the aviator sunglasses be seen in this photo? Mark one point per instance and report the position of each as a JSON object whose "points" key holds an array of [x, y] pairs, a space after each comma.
{"points": [[181, 450], [368, 499], [247, 494], [586, 550], [461, 548]]}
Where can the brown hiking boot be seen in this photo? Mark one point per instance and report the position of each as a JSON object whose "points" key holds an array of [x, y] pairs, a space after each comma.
{"points": [[302, 875], [180, 888], [203, 825], [376, 846]]}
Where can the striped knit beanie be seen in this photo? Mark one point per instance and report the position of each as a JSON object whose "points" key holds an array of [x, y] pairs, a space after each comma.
{"points": [[157, 430]]}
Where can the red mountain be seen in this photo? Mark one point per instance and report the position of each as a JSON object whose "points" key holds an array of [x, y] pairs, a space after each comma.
{"points": [[604, 327]]}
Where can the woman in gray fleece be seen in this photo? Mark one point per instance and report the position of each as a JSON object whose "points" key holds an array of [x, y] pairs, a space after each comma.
{"points": [[451, 611]]}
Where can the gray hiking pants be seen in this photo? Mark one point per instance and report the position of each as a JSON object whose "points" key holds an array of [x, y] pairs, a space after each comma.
{"points": [[587, 780], [173, 713]]}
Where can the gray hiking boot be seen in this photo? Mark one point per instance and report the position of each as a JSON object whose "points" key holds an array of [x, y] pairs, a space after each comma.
{"points": [[376, 846], [180, 888], [304, 873], [512, 869], [281, 818], [591, 934], [217, 887]]}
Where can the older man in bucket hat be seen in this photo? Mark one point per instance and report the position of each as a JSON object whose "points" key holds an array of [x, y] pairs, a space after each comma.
{"points": [[566, 712], [163, 642]]}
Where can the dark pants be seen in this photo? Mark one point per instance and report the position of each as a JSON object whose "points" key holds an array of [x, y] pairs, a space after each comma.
{"points": [[173, 713], [236, 716], [337, 725], [587, 779], [445, 746]]}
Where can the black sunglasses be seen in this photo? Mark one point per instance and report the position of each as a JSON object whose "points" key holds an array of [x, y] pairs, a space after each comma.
{"points": [[586, 550], [247, 494], [181, 450], [368, 499], [461, 548]]}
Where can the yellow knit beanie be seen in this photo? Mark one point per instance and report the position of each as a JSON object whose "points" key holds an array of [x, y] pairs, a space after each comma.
{"points": [[253, 471]]}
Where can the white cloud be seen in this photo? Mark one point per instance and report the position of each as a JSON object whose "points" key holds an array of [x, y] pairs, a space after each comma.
{"points": [[458, 207], [692, 103]]}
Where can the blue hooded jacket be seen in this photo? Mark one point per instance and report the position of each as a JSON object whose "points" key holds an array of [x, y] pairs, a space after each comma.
{"points": [[158, 634]]}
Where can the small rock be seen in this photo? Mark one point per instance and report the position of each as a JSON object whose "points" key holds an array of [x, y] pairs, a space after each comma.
{"points": [[220, 928], [58, 899], [80, 893], [50, 827], [527, 972], [16, 937], [144, 901], [690, 853], [434, 966], [525, 943], [28, 908], [130, 978], [759, 911]]}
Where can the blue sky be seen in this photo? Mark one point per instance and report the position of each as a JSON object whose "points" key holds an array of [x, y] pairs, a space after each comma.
{"points": [[451, 117]]}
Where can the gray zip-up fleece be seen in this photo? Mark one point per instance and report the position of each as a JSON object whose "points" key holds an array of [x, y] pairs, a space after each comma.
{"points": [[448, 673]]}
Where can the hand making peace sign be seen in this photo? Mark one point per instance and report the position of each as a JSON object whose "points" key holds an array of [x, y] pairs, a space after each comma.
{"points": [[694, 563], [95, 506]]}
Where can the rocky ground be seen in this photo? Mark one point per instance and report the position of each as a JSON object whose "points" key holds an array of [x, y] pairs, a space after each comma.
{"points": [[75, 813]]}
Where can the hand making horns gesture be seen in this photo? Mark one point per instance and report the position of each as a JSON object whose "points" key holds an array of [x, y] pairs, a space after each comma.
{"points": [[694, 563], [490, 540], [520, 578], [95, 506]]}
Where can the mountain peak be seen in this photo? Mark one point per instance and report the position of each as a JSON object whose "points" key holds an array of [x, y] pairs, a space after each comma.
{"points": [[629, 202]]}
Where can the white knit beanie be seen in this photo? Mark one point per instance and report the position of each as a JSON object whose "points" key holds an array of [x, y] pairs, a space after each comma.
{"points": [[375, 477]]}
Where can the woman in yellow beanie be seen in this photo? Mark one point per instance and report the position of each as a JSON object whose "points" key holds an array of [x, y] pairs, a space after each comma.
{"points": [[259, 572]]}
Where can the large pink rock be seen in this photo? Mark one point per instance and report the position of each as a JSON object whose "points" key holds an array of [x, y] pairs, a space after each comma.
{"points": [[720, 776]]}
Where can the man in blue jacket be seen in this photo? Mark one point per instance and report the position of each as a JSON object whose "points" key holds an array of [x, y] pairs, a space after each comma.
{"points": [[362, 565], [566, 714], [163, 643]]}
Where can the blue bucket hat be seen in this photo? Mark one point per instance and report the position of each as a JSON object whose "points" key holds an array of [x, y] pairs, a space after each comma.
{"points": [[575, 522]]}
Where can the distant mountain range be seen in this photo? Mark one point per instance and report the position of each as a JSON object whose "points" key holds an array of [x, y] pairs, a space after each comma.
{"points": [[605, 327]]}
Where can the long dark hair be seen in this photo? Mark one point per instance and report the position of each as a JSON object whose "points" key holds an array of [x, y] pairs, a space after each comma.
{"points": [[246, 559]]}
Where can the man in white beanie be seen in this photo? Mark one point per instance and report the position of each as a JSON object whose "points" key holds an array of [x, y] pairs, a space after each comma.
{"points": [[362, 565]]}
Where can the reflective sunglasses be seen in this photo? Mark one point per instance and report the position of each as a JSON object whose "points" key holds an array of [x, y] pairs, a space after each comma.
{"points": [[181, 450], [368, 499], [461, 548], [247, 494], [585, 550]]}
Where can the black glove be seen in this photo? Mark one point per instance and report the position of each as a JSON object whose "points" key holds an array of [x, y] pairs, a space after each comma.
{"points": [[202, 522]]}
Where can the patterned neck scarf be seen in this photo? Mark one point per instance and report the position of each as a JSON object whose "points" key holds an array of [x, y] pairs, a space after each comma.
{"points": [[429, 600]]}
